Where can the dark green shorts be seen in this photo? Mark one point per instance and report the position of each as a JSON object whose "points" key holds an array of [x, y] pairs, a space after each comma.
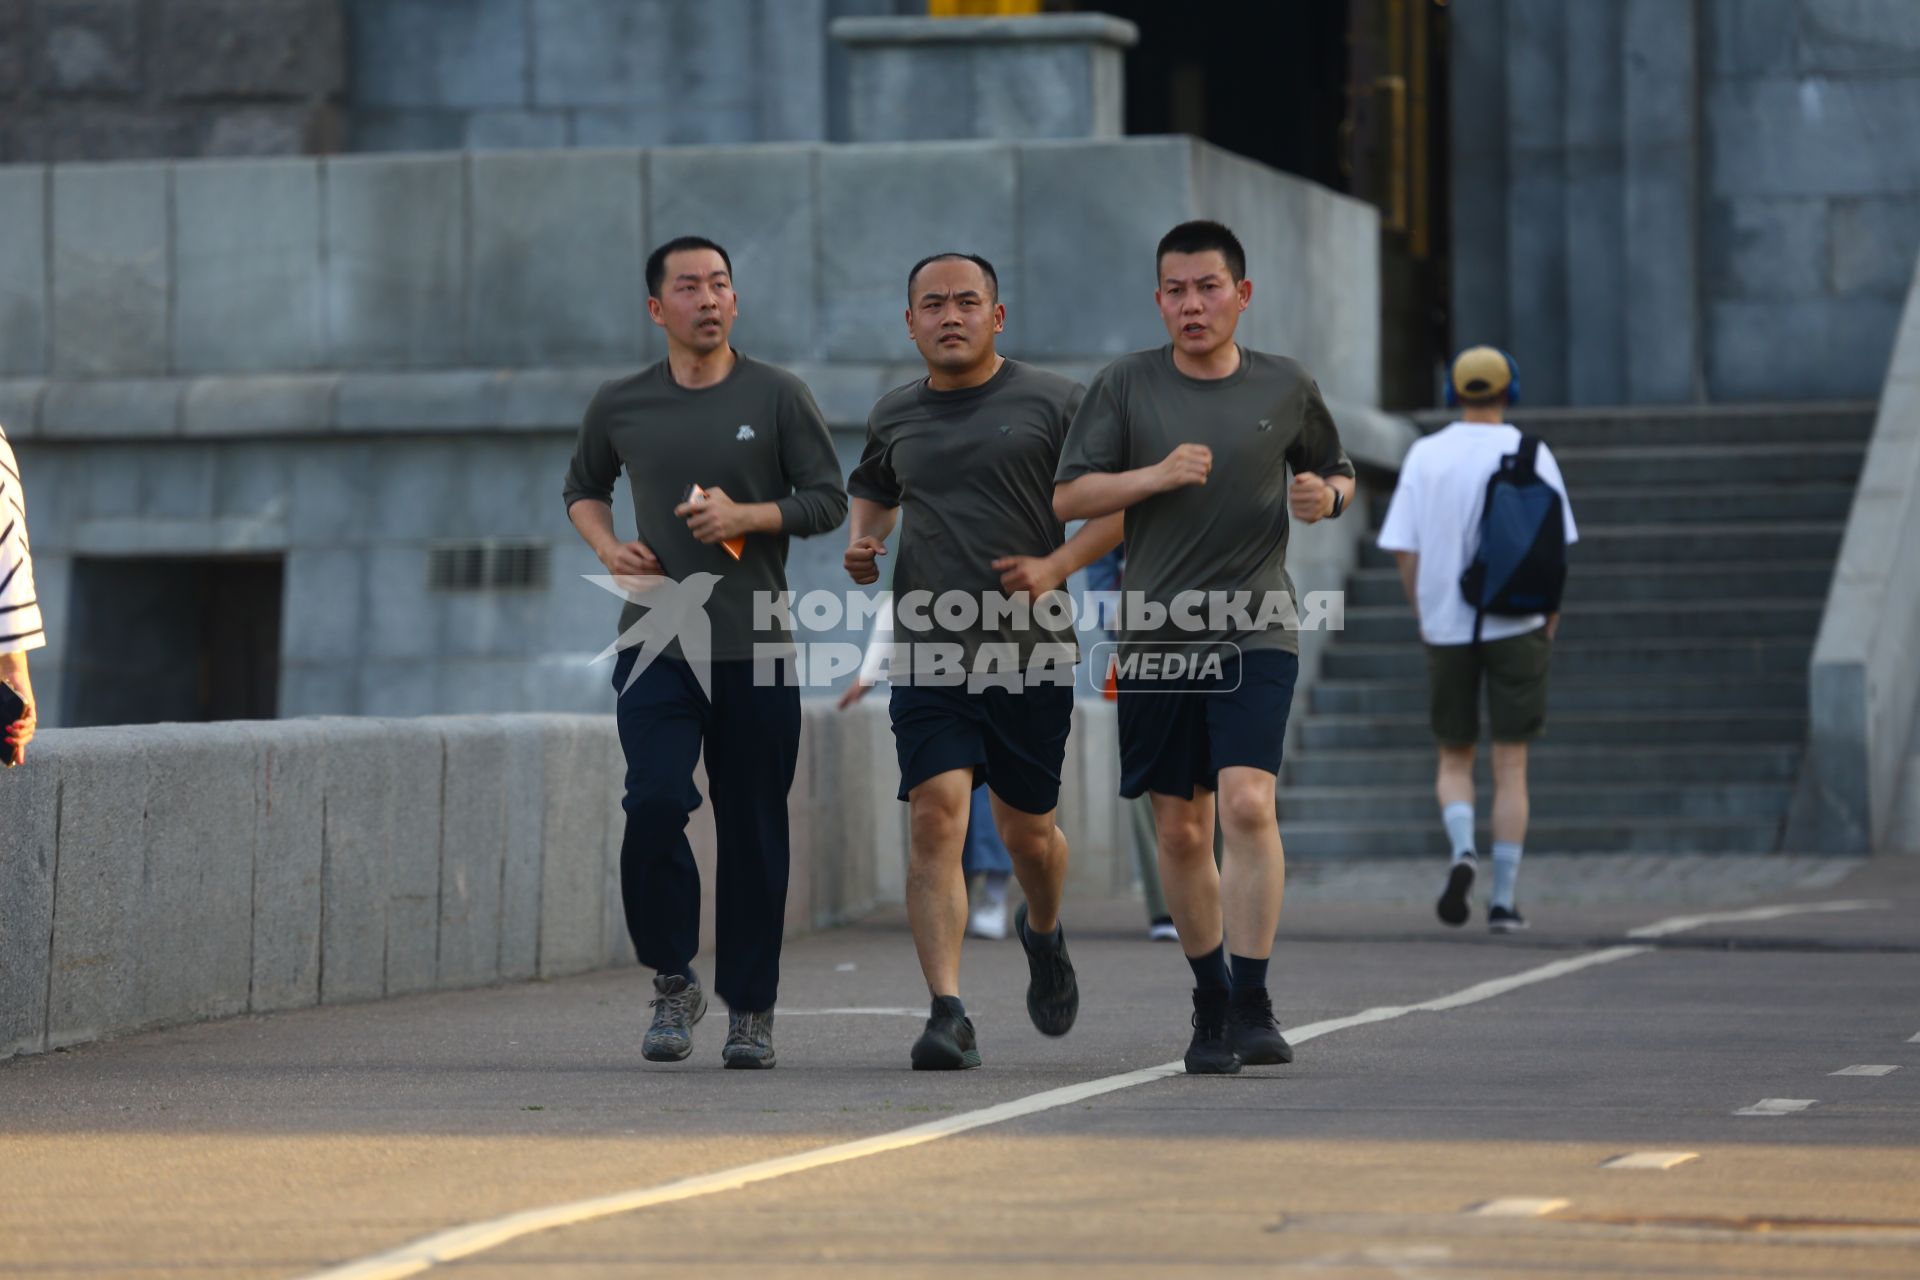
{"points": [[1515, 671]]}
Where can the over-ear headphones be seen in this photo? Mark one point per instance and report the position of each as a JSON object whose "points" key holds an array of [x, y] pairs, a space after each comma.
{"points": [[1472, 364]]}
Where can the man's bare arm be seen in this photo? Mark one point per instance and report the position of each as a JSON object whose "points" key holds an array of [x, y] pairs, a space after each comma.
{"points": [[1038, 575], [868, 526], [593, 521], [1408, 563], [1102, 493]]}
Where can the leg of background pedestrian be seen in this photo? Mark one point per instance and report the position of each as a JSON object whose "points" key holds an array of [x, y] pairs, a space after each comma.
{"points": [[1146, 865], [1510, 813], [985, 857], [1453, 787]]}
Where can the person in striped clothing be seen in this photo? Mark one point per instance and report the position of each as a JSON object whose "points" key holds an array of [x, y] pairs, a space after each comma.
{"points": [[20, 626]]}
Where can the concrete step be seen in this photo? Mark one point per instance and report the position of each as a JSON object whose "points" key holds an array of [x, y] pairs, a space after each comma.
{"points": [[1802, 579], [1654, 427], [1668, 543], [1575, 659], [1328, 840], [1570, 697], [1551, 762], [1596, 506], [1640, 620], [1597, 728], [1691, 465], [1746, 801]]}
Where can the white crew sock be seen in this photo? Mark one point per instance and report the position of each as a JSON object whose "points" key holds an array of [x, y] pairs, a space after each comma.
{"points": [[1459, 819], [993, 890], [1506, 870]]}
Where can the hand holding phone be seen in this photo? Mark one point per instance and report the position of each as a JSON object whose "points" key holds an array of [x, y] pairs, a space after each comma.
{"points": [[695, 496], [13, 709]]}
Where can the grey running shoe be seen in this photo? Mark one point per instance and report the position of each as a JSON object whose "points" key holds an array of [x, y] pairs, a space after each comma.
{"points": [[1452, 907], [749, 1044], [1053, 992], [1505, 920], [677, 1004]]}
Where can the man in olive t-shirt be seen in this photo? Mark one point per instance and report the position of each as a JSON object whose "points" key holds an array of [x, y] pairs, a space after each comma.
{"points": [[1194, 441], [750, 436], [983, 652]]}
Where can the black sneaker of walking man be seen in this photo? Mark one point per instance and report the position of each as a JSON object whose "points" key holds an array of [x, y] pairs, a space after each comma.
{"points": [[947, 1044], [1053, 993], [1505, 920], [1252, 1030], [1211, 1052], [677, 1004], [749, 1044], [1452, 907]]}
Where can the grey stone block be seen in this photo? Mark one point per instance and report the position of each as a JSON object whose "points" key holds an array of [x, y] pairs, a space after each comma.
{"points": [[176, 484], [395, 259], [1843, 37], [413, 910], [1873, 245], [623, 127], [503, 489], [557, 259], [506, 130], [325, 594], [478, 685], [247, 283], [1477, 103], [396, 687], [521, 783], [612, 53], [289, 856], [791, 45], [472, 851], [1860, 345], [1663, 341], [332, 503], [29, 814], [1045, 91], [1746, 39], [318, 688], [265, 405], [357, 867], [422, 53], [370, 130], [1766, 248], [115, 409], [404, 618], [251, 49], [90, 47], [23, 271], [1805, 137], [1096, 202], [99, 888], [912, 201], [414, 492], [110, 269], [581, 796], [1537, 282], [251, 481], [1800, 349], [20, 407], [759, 203], [15, 39], [195, 947], [239, 132], [905, 94]]}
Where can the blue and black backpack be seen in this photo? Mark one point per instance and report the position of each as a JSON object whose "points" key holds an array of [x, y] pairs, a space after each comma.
{"points": [[1519, 567]]}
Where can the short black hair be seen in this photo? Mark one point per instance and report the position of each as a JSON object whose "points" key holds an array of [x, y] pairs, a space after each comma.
{"points": [[657, 260], [986, 269], [1200, 236]]}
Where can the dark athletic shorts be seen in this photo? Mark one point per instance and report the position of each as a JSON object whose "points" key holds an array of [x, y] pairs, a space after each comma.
{"points": [[1515, 670], [1014, 741], [1173, 741]]}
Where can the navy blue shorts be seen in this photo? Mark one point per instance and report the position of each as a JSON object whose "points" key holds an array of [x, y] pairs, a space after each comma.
{"points": [[1175, 739], [1013, 741]]}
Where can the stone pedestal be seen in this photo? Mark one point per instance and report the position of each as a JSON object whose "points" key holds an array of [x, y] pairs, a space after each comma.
{"points": [[1050, 76]]}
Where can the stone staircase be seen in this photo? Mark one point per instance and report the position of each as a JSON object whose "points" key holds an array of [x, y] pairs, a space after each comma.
{"points": [[1679, 700]]}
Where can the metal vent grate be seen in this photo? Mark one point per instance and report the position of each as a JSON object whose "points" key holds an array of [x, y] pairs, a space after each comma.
{"points": [[488, 565]]}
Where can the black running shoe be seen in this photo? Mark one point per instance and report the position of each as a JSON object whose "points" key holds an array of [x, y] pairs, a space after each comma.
{"points": [[1252, 1031], [1053, 993], [947, 1044], [1452, 907], [1505, 920], [1211, 1052]]}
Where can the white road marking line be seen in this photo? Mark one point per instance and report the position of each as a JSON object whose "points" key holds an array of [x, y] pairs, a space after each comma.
{"points": [[1680, 924], [1776, 1107], [464, 1242], [887, 1011], [1864, 1071], [1914, 1038], [1518, 1207], [1651, 1160]]}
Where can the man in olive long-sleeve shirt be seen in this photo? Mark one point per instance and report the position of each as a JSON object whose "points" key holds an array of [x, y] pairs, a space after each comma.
{"points": [[752, 439]]}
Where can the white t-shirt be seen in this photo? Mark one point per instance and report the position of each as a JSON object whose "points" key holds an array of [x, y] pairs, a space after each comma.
{"points": [[1436, 512]]}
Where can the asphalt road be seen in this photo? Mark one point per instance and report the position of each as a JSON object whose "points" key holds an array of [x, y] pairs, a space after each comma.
{"points": [[1463, 1139]]}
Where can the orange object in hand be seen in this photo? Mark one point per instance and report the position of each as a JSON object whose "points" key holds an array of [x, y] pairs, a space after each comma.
{"points": [[1112, 689], [734, 546]]}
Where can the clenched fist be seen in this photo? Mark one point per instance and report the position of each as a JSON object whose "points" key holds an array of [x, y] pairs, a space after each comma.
{"points": [[1188, 464], [1310, 498], [860, 561]]}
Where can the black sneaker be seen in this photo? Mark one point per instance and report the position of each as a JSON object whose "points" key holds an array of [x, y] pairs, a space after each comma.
{"points": [[1505, 920], [1053, 993], [1452, 907], [947, 1044], [1210, 1053], [1252, 1031]]}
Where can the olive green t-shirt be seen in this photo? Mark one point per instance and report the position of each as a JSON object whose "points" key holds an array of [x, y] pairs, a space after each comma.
{"points": [[972, 472], [1228, 535], [758, 435]]}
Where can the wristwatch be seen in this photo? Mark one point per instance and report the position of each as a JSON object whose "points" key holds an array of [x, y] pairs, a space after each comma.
{"points": [[1339, 503]]}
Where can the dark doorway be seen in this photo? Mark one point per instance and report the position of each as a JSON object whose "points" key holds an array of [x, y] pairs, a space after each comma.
{"points": [[173, 639]]}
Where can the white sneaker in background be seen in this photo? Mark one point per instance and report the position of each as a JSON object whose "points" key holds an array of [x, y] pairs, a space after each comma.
{"points": [[989, 920], [1162, 931]]}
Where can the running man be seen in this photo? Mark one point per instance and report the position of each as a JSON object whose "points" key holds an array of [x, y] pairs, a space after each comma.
{"points": [[969, 453], [752, 438], [1432, 528], [1194, 442]]}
